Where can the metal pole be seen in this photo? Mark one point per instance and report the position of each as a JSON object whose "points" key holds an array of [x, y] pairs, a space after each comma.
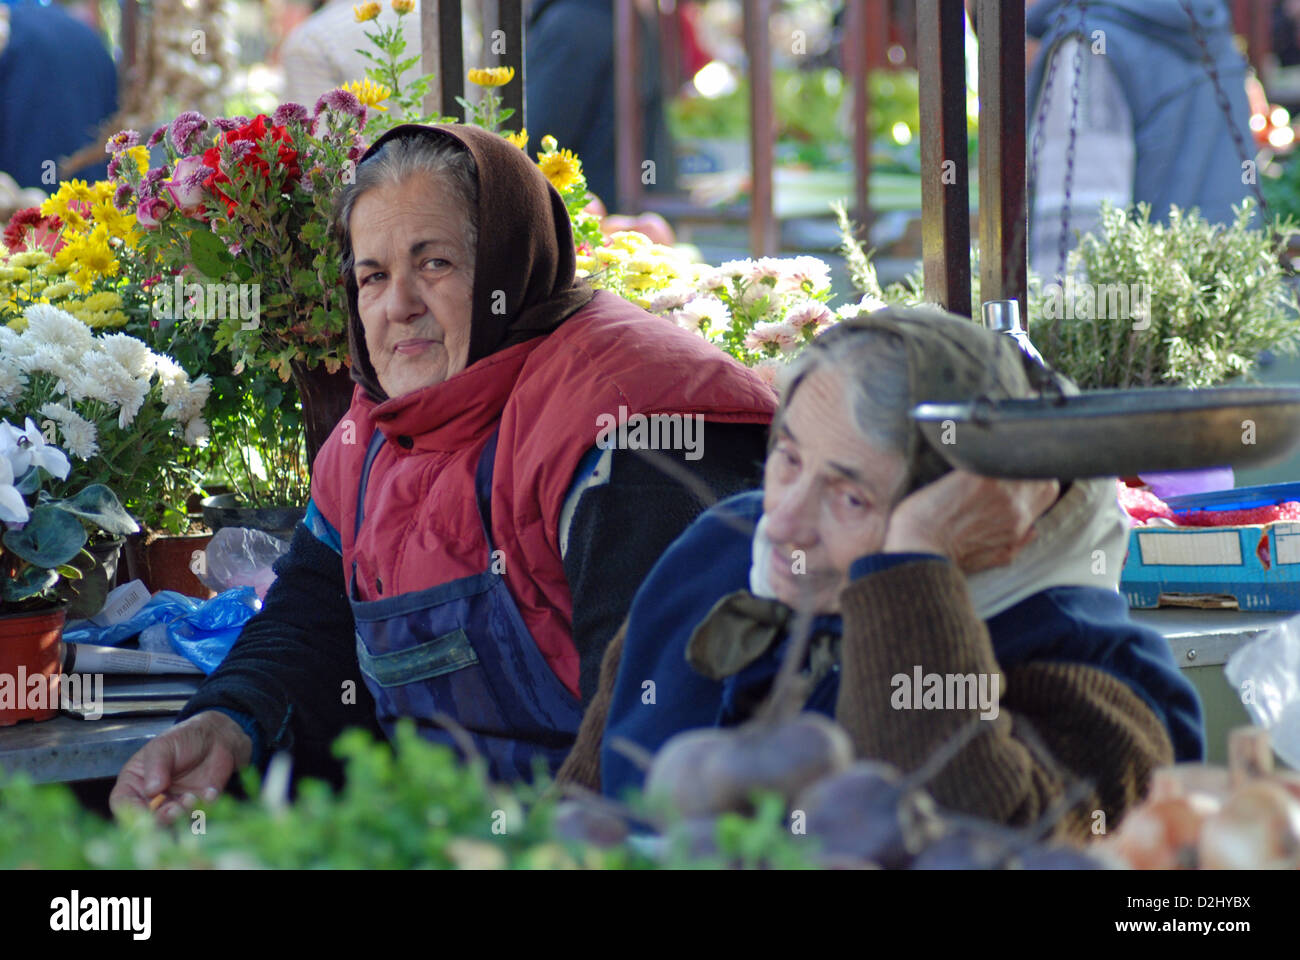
{"points": [[945, 189]]}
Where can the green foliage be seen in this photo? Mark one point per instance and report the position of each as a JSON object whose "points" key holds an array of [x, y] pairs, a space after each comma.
{"points": [[1215, 296], [1198, 301], [414, 806]]}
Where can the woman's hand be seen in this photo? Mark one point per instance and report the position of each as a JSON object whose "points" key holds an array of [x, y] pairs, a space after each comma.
{"points": [[977, 522], [193, 760]]}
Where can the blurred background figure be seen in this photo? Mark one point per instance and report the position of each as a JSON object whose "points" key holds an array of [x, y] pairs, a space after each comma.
{"points": [[51, 65], [321, 53], [569, 88], [1150, 127]]}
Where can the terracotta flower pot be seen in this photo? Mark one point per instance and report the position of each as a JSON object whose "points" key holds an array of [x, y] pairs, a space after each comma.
{"points": [[165, 563], [29, 647]]}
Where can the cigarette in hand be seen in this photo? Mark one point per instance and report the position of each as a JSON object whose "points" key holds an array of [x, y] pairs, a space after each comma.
{"points": [[157, 802]]}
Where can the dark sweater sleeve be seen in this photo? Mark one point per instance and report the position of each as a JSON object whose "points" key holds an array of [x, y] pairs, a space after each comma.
{"points": [[293, 671], [1093, 726], [619, 529]]}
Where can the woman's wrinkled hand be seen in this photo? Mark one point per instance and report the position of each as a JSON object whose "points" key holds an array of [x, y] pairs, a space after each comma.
{"points": [[192, 761], [977, 522]]}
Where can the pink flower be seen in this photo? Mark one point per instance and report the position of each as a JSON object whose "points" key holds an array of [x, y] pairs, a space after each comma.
{"points": [[186, 186], [149, 211], [782, 335], [810, 314]]}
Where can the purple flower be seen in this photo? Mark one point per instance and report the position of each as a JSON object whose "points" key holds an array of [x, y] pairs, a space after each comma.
{"points": [[155, 138], [286, 113], [150, 184], [122, 140], [344, 101], [149, 211], [224, 125], [355, 153], [241, 148], [184, 127], [122, 196], [113, 165]]}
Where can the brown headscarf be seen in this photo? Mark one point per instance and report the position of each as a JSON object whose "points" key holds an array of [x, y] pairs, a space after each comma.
{"points": [[525, 250]]}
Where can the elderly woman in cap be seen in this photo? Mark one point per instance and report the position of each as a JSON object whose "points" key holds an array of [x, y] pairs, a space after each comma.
{"points": [[904, 569], [472, 543]]}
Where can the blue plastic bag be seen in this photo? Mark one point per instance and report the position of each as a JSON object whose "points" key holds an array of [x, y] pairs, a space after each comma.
{"points": [[202, 631]]}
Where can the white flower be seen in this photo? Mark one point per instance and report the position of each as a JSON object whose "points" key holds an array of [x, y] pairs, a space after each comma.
{"points": [[13, 345], [103, 378], [196, 431], [80, 437], [12, 380], [670, 298], [783, 335], [755, 292], [809, 313], [23, 449], [52, 358], [50, 325], [767, 267], [13, 508], [695, 314], [174, 380], [813, 270], [868, 304], [736, 268], [132, 354]]}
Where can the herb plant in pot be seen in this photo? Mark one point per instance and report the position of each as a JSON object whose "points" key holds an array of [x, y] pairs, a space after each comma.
{"points": [[42, 558]]}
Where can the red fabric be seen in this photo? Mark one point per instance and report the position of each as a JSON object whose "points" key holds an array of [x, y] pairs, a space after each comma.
{"points": [[422, 526]]}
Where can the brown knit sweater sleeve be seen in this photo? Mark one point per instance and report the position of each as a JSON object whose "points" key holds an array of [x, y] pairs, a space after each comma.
{"points": [[1093, 726], [582, 765]]}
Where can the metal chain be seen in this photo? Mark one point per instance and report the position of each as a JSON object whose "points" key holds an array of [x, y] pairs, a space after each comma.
{"points": [[1063, 240], [1225, 105]]}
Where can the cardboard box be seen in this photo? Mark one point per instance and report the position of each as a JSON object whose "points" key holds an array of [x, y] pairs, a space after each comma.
{"points": [[1254, 567]]}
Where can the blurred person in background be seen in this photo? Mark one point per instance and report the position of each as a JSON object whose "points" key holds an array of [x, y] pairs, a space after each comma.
{"points": [[58, 83], [569, 64], [1150, 127]]}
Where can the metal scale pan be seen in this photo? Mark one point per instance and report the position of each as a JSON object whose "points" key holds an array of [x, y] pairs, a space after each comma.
{"points": [[1107, 433]]}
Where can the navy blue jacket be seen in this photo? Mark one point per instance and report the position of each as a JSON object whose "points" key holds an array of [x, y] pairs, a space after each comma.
{"points": [[1084, 625]]}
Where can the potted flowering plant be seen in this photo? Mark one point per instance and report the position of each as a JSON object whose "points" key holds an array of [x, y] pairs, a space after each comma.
{"points": [[125, 414], [238, 218], [42, 558], [77, 250]]}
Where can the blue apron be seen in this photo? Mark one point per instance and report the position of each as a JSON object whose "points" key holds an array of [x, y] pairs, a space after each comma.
{"points": [[462, 649]]}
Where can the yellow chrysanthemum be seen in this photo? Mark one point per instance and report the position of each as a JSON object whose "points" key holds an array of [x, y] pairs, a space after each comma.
{"points": [[29, 258], [77, 190], [643, 281], [369, 93], [141, 157], [18, 325], [401, 7], [104, 300], [57, 291], [492, 76], [101, 192], [549, 144], [519, 139], [609, 255], [57, 206], [585, 262], [367, 11], [561, 168]]}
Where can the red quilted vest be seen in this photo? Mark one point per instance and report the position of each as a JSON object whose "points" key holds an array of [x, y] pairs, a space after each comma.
{"points": [[422, 526]]}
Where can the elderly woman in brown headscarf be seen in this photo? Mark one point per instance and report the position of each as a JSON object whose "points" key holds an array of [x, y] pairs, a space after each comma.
{"points": [[473, 538]]}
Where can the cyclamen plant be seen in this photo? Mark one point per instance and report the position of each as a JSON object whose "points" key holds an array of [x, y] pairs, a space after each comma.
{"points": [[123, 412], [42, 538]]}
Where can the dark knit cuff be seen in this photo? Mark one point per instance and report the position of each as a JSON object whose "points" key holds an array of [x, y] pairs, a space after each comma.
{"points": [[876, 562]]}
